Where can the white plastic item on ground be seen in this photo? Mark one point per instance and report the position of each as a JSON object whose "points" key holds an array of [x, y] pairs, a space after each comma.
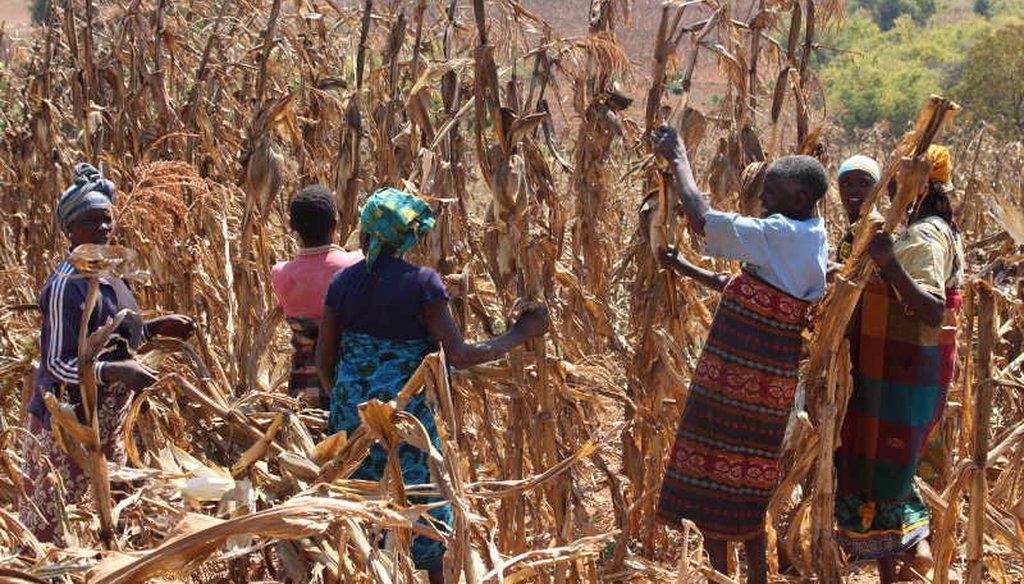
{"points": [[206, 488]]}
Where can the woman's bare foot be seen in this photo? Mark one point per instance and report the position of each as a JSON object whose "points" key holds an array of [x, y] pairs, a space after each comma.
{"points": [[887, 570], [757, 559], [918, 563], [435, 576]]}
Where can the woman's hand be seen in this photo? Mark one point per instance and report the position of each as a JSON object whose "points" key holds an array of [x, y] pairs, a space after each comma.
{"points": [[668, 258], [667, 144], [832, 269], [533, 323], [178, 326], [132, 374], [881, 249]]}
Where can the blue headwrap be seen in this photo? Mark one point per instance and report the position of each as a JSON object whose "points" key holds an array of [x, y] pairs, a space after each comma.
{"points": [[394, 218], [90, 191]]}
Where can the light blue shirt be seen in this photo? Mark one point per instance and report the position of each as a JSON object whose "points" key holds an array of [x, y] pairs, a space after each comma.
{"points": [[788, 254]]}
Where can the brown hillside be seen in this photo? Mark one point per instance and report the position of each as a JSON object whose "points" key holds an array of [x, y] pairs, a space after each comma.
{"points": [[14, 12], [570, 17]]}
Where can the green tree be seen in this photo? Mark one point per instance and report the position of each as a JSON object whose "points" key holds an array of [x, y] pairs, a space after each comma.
{"points": [[991, 86], [1008, 8], [39, 9], [886, 75], [886, 12]]}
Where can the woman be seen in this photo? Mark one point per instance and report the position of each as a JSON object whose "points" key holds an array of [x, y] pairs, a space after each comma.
{"points": [[84, 214], [857, 178], [300, 285], [903, 353], [381, 317], [724, 464]]}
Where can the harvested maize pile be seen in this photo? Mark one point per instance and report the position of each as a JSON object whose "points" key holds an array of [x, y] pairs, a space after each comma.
{"points": [[533, 149]]}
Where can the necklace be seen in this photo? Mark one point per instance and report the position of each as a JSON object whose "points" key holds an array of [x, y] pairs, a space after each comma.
{"points": [[318, 249]]}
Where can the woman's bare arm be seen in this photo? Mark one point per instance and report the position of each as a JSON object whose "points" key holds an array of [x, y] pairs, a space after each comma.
{"points": [[327, 346], [927, 306], [668, 257], [668, 145], [461, 354], [713, 280]]}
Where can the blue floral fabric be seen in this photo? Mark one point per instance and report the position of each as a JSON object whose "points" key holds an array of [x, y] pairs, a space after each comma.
{"points": [[394, 218], [375, 368]]}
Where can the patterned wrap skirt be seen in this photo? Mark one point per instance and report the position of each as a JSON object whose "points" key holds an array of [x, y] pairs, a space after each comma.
{"points": [[902, 369], [376, 368], [303, 379], [724, 463], [51, 478]]}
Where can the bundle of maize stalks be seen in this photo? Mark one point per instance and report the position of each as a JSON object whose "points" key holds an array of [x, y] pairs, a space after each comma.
{"points": [[533, 147]]}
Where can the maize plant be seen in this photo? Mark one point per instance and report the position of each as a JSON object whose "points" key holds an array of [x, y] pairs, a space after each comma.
{"points": [[531, 141]]}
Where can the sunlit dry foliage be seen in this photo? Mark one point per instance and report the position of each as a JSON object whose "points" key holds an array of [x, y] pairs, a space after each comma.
{"points": [[209, 113]]}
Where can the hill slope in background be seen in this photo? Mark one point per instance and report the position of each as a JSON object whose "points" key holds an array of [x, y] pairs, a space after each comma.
{"points": [[567, 18], [14, 13], [571, 18]]}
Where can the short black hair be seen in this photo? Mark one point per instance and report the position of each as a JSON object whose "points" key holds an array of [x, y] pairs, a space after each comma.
{"points": [[803, 171], [313, 212]]}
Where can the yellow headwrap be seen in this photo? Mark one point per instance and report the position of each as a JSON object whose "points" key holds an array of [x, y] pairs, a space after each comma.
{"points": [[942, 163]]}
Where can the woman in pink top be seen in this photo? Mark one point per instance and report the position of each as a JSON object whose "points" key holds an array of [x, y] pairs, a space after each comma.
{"points": [[300, 284]]}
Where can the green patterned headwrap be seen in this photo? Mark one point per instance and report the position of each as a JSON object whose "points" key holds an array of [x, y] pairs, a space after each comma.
{"points": [[394, 218]]}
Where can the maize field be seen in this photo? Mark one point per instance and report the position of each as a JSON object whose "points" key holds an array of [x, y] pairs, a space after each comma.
{"points": [[533, 148]]}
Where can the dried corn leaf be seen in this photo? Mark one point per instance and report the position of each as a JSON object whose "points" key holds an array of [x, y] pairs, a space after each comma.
{"points": [[201, 536]]}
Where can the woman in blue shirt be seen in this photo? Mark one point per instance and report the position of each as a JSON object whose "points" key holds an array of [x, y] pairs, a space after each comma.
{"points": [[724, 464]]}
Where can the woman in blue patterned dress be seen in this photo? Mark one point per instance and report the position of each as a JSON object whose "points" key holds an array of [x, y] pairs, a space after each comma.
{"points": [[381, 317]]}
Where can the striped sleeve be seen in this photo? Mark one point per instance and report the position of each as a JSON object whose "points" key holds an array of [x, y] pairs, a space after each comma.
{"points": [[63, 312]]}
